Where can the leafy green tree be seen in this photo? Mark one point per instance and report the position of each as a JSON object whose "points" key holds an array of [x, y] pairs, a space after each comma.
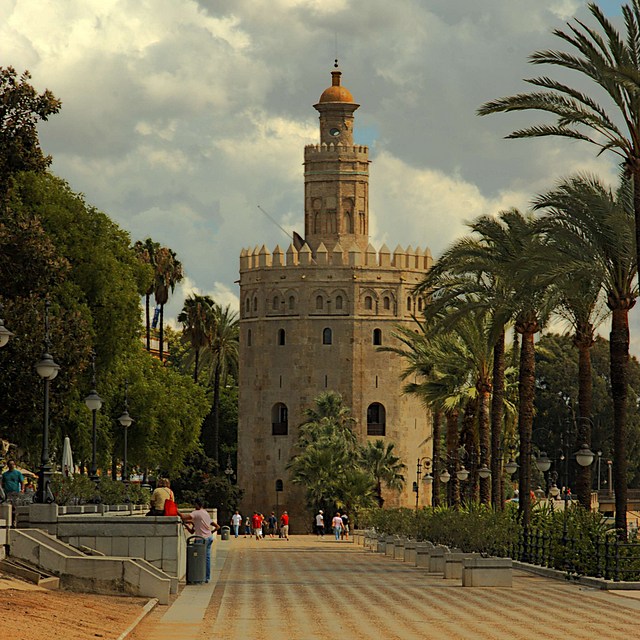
{"points": [[557, 398], [21, 108]]}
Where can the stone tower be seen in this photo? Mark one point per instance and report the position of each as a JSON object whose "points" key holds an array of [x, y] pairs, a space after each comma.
{"points": [[312, 318]]}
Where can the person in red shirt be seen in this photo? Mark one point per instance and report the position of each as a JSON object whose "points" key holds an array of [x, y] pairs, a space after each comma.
{"points": [[256, 523], [284, 525]]}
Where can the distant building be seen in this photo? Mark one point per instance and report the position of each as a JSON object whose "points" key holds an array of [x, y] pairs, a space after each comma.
{"points": [[313, 316]]}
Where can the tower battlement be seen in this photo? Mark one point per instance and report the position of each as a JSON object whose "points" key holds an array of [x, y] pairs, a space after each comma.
{"points": [[405, 259], [336, 150]]}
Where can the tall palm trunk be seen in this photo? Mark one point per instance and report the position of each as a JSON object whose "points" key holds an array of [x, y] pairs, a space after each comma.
{"points": [[453, 490], [527, 328], [148, 318], [484, 437], [435, 456], [470, 489], [584, 342], [619, 358], [195, 365], [497, 408], [216, 412], [161, 332]]}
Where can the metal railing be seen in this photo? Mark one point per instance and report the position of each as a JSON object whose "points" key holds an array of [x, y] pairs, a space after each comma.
{"points": [[602, 556]]}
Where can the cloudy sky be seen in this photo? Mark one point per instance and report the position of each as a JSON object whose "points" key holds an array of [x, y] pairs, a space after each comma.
{"points": [[180, 117]]}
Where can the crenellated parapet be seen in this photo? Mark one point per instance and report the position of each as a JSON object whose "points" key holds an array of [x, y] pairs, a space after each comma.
{"points": [[408, 259], [358, 151]]}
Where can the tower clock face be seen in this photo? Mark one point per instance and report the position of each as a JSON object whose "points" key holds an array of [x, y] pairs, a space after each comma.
{"points": [[334, 132]]}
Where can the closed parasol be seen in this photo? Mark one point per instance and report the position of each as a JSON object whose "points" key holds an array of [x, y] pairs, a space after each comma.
{"points": [[67, 458]]}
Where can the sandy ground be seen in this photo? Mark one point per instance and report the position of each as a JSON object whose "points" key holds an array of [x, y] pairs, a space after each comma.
{"points": [[28, 612]]}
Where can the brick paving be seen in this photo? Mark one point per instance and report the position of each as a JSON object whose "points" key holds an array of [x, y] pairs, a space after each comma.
{"points": [[309, 589]]}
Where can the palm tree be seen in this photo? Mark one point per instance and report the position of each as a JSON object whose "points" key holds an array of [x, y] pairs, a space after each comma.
{"points": [[443, 385], [584, 212], [168, 274], [467, 278], [503, 254], [611, 61], [387, 468], [223, 334], [146, 252], [328, 416], [195, 321], [328, 451]]}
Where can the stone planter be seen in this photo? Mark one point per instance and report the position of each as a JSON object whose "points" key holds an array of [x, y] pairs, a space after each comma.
{"points": [[487, 572]]}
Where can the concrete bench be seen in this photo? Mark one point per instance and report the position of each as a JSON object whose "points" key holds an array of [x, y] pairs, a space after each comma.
{"points": [[487, 572], [410, 551], [381, 545], [453, 564]]}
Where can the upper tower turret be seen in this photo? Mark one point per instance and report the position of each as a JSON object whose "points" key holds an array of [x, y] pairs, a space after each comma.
{"points": [[336, 175]]}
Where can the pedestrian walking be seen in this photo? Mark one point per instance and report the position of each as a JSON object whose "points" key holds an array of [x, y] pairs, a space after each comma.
{"points": [[13, 482], [320, 524], [256, 524], [345, 526], [236, 522], [284, 525], [203, 526], [247, 526], [336, 523], [273, 525]]}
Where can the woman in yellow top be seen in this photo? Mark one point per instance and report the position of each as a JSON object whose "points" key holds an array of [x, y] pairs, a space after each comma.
{"points": [[161, 493]]}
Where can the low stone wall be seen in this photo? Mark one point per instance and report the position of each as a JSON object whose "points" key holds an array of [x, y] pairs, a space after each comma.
{"points": [[121, 531]]}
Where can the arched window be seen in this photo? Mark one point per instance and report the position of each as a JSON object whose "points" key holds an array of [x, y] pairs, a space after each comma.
{"points": [[276, 303], [368, 302], [386, 303], [279, 419], [377, 337], [409, 303], [281, 337], [327, 336], [292, 302], [419, 304], [376, 420], [338, 302], [249, 338], [247, 305], [319, 302], [255, 303]]}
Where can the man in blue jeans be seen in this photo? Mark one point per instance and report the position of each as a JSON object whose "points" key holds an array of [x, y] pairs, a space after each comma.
{"points": [[202, 526], [236, 522]]}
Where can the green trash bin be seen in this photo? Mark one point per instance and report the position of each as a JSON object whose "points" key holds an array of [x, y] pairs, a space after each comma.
{"points": [[225, 532], [196, 560]]}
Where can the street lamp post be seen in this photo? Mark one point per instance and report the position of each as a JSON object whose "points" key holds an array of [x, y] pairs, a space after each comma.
{"points": [[126, 421], [229, 470], [47, 369], [94, 404], [428, 478], [5, 334]]}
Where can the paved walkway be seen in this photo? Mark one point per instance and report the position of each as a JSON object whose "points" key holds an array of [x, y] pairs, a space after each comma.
{"points": [[310, 589]]}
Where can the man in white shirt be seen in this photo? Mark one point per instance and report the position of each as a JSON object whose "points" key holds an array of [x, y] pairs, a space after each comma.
{"points": [[320, 524], [236, 522]]}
